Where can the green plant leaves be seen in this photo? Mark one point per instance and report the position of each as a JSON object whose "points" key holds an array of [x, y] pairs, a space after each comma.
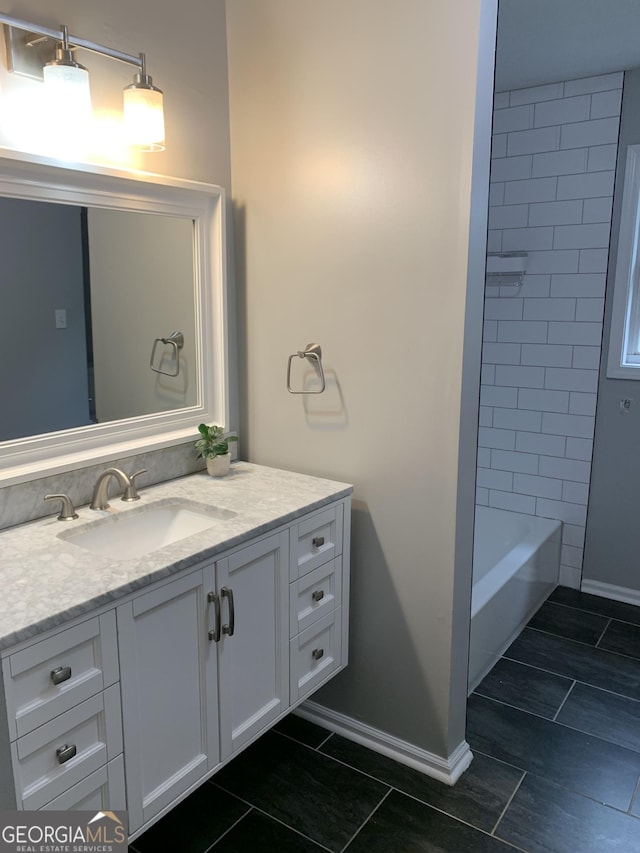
{"points": [[212, 442]]}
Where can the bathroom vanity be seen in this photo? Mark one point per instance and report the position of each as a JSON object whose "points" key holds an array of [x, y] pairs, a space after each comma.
{"points": [[128, 680]]}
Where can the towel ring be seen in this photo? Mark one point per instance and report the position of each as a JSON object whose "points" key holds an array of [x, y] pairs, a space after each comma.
{"points": [[176, 342], [314, 353]]}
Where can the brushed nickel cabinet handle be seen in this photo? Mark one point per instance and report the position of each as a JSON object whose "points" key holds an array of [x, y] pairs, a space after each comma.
{"points": [[214, 634], [317, 595], [64, 753], [316, 654], [60, 674], [317, 541]]}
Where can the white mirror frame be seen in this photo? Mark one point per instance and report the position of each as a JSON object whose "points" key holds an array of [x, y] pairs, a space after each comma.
{"points": [[38, 178]]}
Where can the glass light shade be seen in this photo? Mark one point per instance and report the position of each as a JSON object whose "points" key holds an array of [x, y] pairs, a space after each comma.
{"points": [[68, 95], [143, 115]]}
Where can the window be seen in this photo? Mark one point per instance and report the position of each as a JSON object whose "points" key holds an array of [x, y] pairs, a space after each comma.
{"points": [[624, 345]]}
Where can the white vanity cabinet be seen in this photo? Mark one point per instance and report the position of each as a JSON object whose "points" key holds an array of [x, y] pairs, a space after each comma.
{"points": [[204, 669], [136, 703], [212, 658]]}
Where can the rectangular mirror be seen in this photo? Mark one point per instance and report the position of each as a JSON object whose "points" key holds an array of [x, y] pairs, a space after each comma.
{"points": [[113, 306]]}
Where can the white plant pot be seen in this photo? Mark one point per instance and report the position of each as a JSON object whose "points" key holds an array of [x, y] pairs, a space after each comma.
{"points": [[219, 465]]}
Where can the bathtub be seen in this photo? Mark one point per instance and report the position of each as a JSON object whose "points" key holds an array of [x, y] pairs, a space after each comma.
{"points": [[516, 561]]}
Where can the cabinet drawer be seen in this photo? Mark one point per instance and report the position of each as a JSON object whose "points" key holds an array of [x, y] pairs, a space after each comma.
{"points": [[316, 540], [315, 595], [56, 674], [315, 654], [100, 791], [91, 733]]}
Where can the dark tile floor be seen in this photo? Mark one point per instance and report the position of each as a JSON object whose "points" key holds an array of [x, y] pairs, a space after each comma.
{"points": [[555, 732]]}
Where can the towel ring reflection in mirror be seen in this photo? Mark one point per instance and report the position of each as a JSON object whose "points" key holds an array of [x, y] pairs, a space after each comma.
{"points": [[175, 341]]}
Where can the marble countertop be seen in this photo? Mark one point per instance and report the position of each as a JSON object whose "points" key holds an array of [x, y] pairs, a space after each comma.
{"points": [[46, 580]]}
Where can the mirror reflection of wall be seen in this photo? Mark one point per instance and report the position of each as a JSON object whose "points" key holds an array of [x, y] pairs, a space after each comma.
{"points": [[44, 383], [141, 289], [120, 279]]}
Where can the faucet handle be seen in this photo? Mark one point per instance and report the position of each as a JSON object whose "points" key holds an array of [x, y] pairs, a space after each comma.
{"points": [[67, 512], [131, 493]]}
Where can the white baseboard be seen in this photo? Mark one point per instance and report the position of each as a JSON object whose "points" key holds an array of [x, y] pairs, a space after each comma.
{"points": [[608, 590], [447, 770]]}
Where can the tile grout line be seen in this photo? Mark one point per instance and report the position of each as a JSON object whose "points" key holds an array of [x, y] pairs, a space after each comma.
{"points": [[270, 816], [509, 801], [320, 745], [417, 799], [339, 760], [633, 798], [366, 821], [604, 631], [358, 770], [227, 831], [595, 612], [455, 818], [563, 725], [301, 742], [342, 764], [562, 637], [570, 678], [562, 704], [380, 781], [516, 708], [564, 787]]}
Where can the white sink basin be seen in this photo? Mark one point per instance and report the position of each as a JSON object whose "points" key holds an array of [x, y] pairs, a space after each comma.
{"points": [[140, 531]]}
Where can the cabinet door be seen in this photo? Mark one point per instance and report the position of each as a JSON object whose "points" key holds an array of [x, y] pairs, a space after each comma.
{"points": [[253, 648], [168, 675]]}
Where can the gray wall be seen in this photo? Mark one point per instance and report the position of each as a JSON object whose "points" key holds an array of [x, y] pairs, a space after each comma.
{"points": [[141, 289], [612, 542], [43, 370], [353, 183]]}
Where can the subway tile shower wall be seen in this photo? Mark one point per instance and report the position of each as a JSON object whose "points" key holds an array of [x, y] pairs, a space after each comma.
{"points": [[552, 173]]}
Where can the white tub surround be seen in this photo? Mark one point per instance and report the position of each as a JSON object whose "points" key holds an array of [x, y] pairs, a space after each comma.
{"points": [[553, 165], [515, 567]]}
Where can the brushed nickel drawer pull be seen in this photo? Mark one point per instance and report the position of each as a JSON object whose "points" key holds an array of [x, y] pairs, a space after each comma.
{"points": [[317, 541], [317, 595], [316, 654], [64, 753], [60, 674]]}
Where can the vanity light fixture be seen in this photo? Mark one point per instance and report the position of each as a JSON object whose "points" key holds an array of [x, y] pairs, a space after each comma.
{"points": [[67, 86], [143, 111], [45, 54]]}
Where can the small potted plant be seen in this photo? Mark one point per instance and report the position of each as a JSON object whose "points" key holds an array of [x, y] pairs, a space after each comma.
{"points": [[213, 447]]}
